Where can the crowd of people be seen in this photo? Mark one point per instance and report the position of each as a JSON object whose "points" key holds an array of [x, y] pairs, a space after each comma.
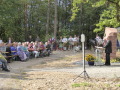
{"points": [[18, 51], [69, 43], [22, 51]]}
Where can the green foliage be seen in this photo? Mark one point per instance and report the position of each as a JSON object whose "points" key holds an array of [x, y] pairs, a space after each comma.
{"points": [[9, 16], [16, 15], [21, 18], [118, 59], [118, 85], [83, 84], [110, 17], [75, 8], [99, 3], [65, 32], [107, 19]]}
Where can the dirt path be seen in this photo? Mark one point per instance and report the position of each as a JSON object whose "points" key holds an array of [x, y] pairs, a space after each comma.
{"points": [[56, 55], [57, 73]]}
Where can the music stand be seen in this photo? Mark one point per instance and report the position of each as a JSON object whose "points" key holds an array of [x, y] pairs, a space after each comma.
{"points": [[83, 49], [98, 56]]}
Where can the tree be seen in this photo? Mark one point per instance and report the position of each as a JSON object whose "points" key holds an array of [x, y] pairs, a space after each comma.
{"points": [[55, 19], [21, 18], [10, 21], [109, 17]]}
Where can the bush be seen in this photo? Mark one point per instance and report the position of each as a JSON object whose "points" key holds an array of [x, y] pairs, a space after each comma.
{"points": [[117, 59]]}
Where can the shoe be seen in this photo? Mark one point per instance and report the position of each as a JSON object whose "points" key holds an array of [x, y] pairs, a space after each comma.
{"points": [[7, 70], [107, 64], [8, 62]]}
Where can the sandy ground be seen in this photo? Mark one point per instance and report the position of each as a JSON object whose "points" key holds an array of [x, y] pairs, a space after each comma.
{"points": [[57, 72]]}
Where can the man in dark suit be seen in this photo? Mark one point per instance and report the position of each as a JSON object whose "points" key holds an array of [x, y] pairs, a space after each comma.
{"points": [[108, 50]]}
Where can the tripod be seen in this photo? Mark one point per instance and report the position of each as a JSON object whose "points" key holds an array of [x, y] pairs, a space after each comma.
{"points": [[83, 49], [84, 73]]}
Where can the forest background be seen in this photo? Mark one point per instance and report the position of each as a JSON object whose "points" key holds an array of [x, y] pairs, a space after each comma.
{"points": [[55, 18]]}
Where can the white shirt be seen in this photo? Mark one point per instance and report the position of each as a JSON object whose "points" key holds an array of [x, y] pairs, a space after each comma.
{"points": [[75, 39], [64, 40], [70, 39]]}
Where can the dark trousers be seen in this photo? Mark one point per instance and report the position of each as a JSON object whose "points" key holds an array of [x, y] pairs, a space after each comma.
{"points": [[4, 63], [107, 62]]}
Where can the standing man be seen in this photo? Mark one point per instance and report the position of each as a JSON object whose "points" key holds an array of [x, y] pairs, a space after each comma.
{"points": [[37, 39], [30, 39], [9, 40], [108, 50]]}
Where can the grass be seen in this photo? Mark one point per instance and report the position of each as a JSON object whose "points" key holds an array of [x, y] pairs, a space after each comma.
{"points": [[118, 85], [83, 84], [107, 85]]}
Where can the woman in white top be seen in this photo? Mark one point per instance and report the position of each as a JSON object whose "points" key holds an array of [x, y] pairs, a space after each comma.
{"points": [[75, 40], [64, 40], [60, 44], [71, 43]]}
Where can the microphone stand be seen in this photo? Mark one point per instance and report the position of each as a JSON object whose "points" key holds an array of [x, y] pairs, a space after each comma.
{"points": [[84, 69]]}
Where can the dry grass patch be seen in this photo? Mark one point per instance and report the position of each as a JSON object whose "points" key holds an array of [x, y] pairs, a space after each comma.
{"points": [[67, 61]]}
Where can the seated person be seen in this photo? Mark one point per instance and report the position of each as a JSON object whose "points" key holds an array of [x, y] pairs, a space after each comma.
{"points": [[36, 50], [20, 52], [42, 49], [8, 52], [13, 49], [25, 50], [3, 48], [14, 52], [30, 49], [48, 48], [4, 63]]}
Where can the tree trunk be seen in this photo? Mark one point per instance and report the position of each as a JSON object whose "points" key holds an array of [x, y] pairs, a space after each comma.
{"points": [[25, 21], [48, 20], [55, 19], [118, 12]]}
